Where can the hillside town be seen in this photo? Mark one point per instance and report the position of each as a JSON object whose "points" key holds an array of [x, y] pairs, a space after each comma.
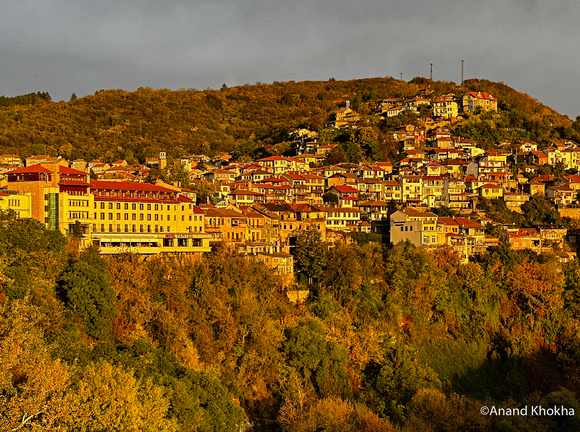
{"points": [[260, 206]]}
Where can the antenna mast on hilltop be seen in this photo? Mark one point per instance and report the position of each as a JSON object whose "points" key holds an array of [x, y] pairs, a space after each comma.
{"points": [[461, 71], [431, 72]]}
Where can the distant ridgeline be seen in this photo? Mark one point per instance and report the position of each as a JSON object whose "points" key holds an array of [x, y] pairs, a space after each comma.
{"points": [[27, 99]]}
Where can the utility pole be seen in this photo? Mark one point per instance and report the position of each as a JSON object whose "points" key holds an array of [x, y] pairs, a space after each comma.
{"points": [[431, 73]]}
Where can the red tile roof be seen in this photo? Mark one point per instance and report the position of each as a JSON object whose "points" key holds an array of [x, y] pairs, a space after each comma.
{"points": [[141, 187], [67, 170], [31, 169], [482, 95], [345, 189]]}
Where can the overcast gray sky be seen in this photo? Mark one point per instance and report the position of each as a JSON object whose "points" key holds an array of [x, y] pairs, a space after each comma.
{"points": [[63, 46]]}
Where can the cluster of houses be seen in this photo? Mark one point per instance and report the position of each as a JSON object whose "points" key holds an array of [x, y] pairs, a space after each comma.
{"points": [[260, 206], [442, 107]]}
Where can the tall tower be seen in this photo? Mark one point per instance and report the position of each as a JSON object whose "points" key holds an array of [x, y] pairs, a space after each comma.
{"points": [[162, 160], [431, 72], [461, 71]]}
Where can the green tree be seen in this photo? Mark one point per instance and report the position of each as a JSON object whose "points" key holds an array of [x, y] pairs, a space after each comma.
{"points": [[320, 362], [204, 190], [34, 255], [394, 382], [539, 211], [559, 169], [87, 291], [330, 198], [310, 254]]}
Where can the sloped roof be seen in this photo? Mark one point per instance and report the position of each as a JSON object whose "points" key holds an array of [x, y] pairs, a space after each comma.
{"points": [[31, 169]]}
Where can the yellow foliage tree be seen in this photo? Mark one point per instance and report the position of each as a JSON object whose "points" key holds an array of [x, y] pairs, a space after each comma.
{"points": [[32, 383], [108, 398]]}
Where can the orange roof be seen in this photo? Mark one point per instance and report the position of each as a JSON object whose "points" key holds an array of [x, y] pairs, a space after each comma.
{"points": [[142, 187], [482, 95], [31, 169]]}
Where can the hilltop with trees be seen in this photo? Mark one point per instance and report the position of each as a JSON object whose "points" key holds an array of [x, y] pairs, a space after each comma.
{"points": [[117, 124]]}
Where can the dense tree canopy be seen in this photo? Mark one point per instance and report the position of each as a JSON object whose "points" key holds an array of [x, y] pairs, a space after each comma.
{"points": [[115, 124]]}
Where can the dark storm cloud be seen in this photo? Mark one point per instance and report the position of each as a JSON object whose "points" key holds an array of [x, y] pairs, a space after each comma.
{"points": [[64, 46]]}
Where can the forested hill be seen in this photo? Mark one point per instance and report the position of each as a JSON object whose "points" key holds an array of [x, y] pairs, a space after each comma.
{"points": [[114, 123]]}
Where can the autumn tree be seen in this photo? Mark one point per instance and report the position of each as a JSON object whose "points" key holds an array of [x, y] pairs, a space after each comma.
{"points": [[109, 398], [33, 384], [332, 414]]}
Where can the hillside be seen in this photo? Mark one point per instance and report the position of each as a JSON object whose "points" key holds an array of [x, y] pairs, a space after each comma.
{"points": [[116, 124]]}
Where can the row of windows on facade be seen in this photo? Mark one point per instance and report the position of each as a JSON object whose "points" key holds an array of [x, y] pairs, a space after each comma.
{"points": [[118, 228], [165, 243], [216, 222], [156, 207], [148, 217], [119, 194], [133, 216]]}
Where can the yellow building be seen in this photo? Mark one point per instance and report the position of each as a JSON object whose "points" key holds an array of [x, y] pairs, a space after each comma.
{"points": [[420, 228], [342, 219], [393, 191], [445, 106], [490, 191], [482, 100], [226, 225], [145, 218], [344, 117], [117, 216], [19, 202], [282, 263]]}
